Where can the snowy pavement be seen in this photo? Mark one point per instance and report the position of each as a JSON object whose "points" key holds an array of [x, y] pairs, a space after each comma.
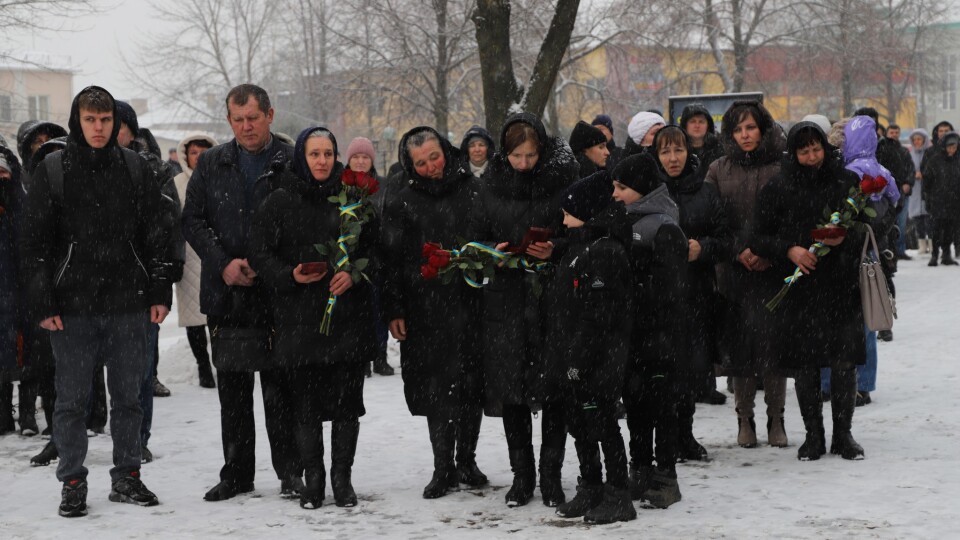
{"points": [[907, 487]]}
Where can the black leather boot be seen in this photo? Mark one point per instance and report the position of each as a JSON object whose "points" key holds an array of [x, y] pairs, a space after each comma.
{"points": [[843, 401], [310, 443], [524, 477], [811, 409], [467, 436], [344, 441], [443, 436], [551, 486]]}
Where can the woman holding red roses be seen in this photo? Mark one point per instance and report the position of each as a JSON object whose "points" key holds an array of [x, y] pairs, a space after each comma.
{"points": [[820, 323], [329, 368], [435, 322], [523, 188]]}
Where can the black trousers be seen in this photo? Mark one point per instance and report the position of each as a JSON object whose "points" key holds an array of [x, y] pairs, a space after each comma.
{"points": [[518, 426], [944, 234], [238, 431], [652, 418], [594, 427]]}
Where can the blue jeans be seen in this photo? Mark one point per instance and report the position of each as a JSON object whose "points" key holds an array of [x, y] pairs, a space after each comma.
{"points": [[866, 374], [902, 224], [119, 341], [146, 387]]}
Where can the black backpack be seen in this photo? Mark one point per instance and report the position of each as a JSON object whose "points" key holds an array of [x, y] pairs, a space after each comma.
{"points": [[54, 164]]}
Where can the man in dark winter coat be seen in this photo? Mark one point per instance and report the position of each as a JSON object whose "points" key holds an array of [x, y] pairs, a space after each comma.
{"points": [[604, 123], [93, 254], [11, 199], [223, 194], [589, 145], [697, 122], [31, 135], [477, 148], [659, 259], [435, 322], [173, 161], [941, 191]]}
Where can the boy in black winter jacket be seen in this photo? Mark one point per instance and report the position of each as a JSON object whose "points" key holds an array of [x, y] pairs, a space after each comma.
{"points": [[591, 288]]}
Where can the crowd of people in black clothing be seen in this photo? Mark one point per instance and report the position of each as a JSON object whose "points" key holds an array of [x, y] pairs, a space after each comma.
{"points": [[660, 258]]}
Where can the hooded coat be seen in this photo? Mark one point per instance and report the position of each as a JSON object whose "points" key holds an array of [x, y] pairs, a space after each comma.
{"points": [[916, 206], [820, 323], [440, 357], [11, 202], [188, 288], [739, 176], [587, 300], [291, 220], [100, 250], [701, 217], [481, 132], [711, 150], [514, 312], [27, 134], [941, 176]]}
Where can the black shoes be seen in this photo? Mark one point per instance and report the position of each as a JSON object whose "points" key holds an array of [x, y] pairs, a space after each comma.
{"points": [[471, 475], [863, 398], [813, 446], [689, 449], [227, 489], [586, 499], [73, 499], [343, 493], [615, 506], [146, 456], [129, 489], [48, 454], [948, 261], [290, 488], [845, 446], [639, 480], [312, 494], [885, 335], [443, 482], [380, 365], [664, 489], [712, 397], [159, 390], [206, 375]]}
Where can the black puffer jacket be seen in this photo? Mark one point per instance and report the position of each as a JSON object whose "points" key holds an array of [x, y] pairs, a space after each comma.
{"points": [[11, 200], [100, 249], [820, 322], [941, 180], [513, 311], [216, 222], [440, 358], [293, 218], [588, 310], [27, 134]]}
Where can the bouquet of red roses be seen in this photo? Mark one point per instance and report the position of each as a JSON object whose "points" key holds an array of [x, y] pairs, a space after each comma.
{"points": [[477, 262], [835, 227], [355, 212]]}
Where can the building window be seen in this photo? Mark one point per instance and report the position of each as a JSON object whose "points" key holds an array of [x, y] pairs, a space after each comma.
{"points": [[949, 99], [6, 109], [39, 107]]}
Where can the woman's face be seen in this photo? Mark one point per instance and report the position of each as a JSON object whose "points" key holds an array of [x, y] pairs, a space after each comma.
{"points": [[811, 156], [478, 152], [193, 155], [697, 127], [524, 157], [747, 134], [320, 158], [598, 154], [624, 194], [673, 157], [428, 160], [917, 141], [360, 163]]}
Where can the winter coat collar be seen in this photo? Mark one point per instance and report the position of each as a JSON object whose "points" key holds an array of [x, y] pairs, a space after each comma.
{"points": [[657, 201], [231, 150], [555, 170], [454, 171], [182, 148]]}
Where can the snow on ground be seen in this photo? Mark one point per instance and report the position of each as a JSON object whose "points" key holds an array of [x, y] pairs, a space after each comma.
{"points": [[907, 487]]}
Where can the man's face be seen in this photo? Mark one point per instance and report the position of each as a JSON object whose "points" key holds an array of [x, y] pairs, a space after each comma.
{"points": [[893, 133], [38, 142], [172, 156], [124, 136], [952, 149], [943, 130], [697, 127], [96, 127], [250, 125]]}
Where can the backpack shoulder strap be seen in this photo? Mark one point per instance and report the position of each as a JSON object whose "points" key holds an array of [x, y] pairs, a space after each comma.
{"points": [[133, 165], [54, 164]]}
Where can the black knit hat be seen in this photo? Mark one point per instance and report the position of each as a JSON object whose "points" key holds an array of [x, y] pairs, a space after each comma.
{"points": [[638, 172], [585, 198], [603, 120], [585, 136], [128, 116]]}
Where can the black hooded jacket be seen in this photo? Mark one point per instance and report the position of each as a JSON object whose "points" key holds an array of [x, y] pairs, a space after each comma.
{"points": [[100, 249], [510, 203], [941, 180], [820, 322], [11, 205], [28, 133], [441, 352], [292, 219], [711, 150]]}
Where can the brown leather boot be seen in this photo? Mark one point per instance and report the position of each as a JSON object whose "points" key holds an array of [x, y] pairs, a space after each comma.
{"points": [[775, 395], [744, 392]]}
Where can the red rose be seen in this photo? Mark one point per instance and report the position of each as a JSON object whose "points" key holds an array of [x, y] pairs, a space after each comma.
{"points": [[870, 184], [348, 178], [439, 259], [429, 249], [428, 272], [368, 183], [828, 233]]}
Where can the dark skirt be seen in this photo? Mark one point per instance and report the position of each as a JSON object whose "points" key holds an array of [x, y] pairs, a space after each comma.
{"points": [[326, 392]]}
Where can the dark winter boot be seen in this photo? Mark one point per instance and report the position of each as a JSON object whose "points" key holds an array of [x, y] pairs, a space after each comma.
{"points": [[129, 489], [48, 454], [467, 436], [206, 373], [310, 444], [443, 435], [344, 441], [7, 425], [159, 390], [587, 498], [73, 498], [934, 255], [863, 398], [843, 403], [551, 486], [615, 506], [524, 477], [380, 365], [809, 399], [947, 260], [639, 480], [664, 489], [688, 449], [28, 409]]}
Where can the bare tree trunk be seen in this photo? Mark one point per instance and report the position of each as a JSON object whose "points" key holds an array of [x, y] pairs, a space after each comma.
{"points": [[441, 110], [500, 86], [713, 33], [551, 54]]}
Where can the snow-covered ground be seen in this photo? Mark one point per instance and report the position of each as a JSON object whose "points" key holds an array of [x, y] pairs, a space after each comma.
{"points": [[908, 486]]}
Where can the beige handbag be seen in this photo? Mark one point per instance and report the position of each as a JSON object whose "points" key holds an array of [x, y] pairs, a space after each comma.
{"points": [[879, 306]]}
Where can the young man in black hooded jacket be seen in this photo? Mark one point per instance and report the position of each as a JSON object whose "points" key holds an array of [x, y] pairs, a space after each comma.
{"points": [[92, 253]]}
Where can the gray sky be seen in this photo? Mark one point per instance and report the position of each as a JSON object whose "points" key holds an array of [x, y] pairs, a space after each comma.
{"points": [[94, 45]]}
